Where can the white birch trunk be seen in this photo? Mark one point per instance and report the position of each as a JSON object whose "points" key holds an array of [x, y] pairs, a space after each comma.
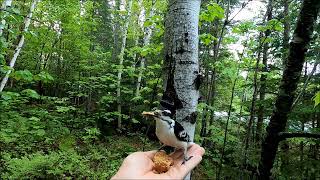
{"points": [[27, 22], [140, 21], [4, 6], [146, 42], [181, 62], [123, 46]]}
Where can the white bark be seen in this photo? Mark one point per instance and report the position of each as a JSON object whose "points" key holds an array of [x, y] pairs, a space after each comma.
{"points": [[146, 42], [182, 63], [140, 21], [27, 22], [123, 46], [4, 6], [181, 49]]}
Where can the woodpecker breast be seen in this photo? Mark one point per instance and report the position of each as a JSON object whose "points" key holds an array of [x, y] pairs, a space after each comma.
{"points": [[166, 135]]}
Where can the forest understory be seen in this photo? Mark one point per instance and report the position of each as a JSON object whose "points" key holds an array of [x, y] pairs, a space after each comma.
{"points": [[241, 76]]}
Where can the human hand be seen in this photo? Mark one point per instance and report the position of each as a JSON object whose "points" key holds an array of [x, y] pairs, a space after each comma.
{"points": [[139, 165]]}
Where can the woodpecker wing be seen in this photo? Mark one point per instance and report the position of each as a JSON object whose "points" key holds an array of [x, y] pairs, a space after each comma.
{"points": [[180, 132]]}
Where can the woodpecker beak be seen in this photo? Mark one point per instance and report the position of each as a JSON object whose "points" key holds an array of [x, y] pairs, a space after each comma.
{"points": [[144, 113], [155, 113]]}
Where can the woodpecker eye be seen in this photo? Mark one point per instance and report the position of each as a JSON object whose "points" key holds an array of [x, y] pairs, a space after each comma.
{"points": [[166, 113]]}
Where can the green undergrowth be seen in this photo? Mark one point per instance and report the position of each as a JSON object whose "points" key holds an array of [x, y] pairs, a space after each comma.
{"points": [[42, 148]]}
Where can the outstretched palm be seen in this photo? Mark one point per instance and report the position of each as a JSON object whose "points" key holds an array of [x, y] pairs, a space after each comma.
{"points": [[139, 165]]}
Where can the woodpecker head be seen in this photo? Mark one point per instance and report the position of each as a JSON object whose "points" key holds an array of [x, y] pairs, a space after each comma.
{"points": [[162, 116]]}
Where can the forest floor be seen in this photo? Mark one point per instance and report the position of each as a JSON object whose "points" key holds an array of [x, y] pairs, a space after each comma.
{"points": [[72, 157]]}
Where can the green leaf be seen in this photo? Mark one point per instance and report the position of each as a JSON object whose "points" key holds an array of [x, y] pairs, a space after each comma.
{"points": [[316, 99], [213, 11], [64, 109], [40, 132], [144, 52], [30, 93], [147, 23], [207, 38], [34, 119], [24, 75], [275, 25], [43, 76], [137, 99], [135, 121], [9, 95]]}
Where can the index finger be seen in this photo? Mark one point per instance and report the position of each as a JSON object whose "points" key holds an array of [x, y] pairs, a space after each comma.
{"points": [[181, 170]]}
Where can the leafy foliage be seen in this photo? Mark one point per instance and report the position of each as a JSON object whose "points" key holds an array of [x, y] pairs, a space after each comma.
{"points": [[58, 111]]}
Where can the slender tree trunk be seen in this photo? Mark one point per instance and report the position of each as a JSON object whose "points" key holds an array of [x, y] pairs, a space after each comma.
{"points": [[229, 115], [288, 86], [146, 41], [263, 78], [121, 56], [253, 104], [5, 4], [216, 50], [209, 114], [286, 31], [317, 145], [254, 97], [243, 99], [140, 23], [305, 84], [27, 22], [116, 30], [301, 147], [226, 129], [203, 131]]}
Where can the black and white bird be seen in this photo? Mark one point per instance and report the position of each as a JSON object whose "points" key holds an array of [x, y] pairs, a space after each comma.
{"points": [[170, 132]]}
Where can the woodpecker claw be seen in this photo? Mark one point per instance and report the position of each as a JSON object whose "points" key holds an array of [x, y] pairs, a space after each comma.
{"points": [[186, 159], [161, 148]]}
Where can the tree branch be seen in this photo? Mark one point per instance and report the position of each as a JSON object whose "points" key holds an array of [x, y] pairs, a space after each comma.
{"points": [[285, 135]]}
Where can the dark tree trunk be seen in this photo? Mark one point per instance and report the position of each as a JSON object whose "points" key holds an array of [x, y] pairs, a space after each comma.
{"points": [[285, 44], [288, 86], [212, 99]]}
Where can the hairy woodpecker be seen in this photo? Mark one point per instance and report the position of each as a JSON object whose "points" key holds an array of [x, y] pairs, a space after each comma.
{"points": [[170, 132]]}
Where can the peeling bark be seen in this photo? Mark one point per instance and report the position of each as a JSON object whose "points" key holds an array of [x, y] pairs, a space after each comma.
{"points": [[288, 85]]}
